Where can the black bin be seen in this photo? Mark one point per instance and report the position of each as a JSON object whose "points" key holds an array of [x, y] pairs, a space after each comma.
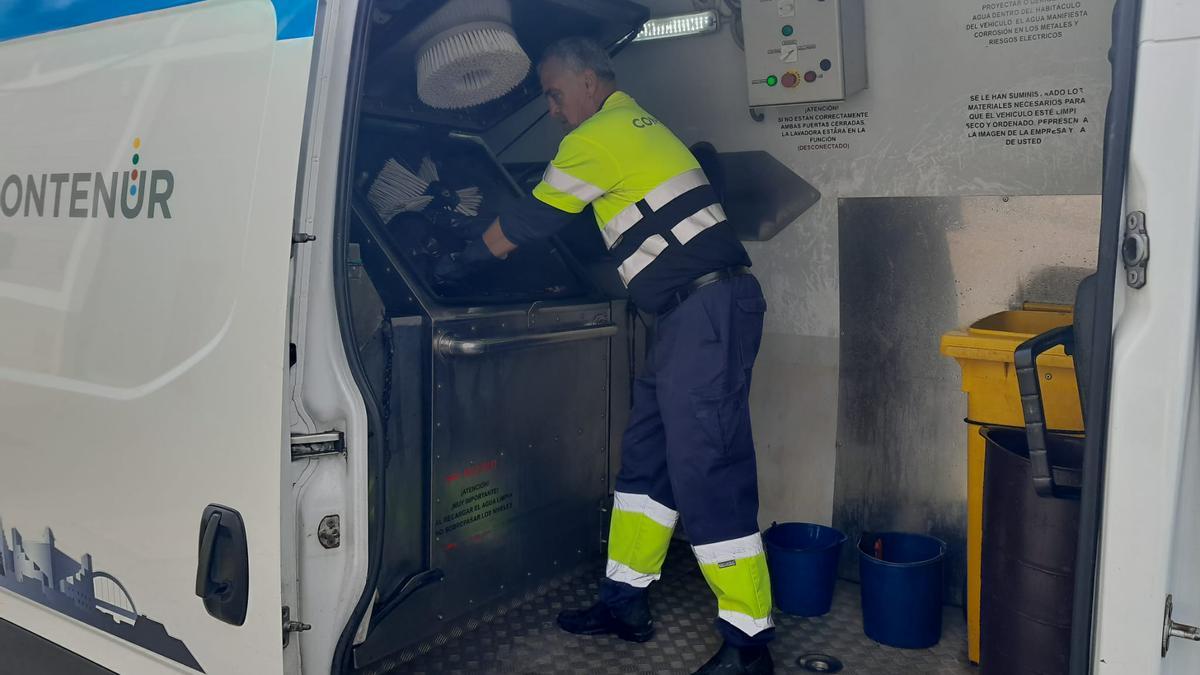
{"points": [[1029, 544], [1031, 488]]}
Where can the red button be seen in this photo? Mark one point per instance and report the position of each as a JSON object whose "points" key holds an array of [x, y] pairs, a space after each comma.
{"points": [[810, 76], [790, 79]]}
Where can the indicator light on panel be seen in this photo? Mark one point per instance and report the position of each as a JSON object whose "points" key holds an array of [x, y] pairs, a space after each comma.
{"points": [[790, 79], [810, 76], [826, 64], [772, 80], [788, 30]]}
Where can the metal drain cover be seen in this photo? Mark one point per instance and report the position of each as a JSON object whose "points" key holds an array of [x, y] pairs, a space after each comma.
{"points": [[819, 663]]}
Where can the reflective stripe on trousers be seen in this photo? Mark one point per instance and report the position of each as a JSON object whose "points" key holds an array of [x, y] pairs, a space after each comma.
{"points": [[688, 453], [638, 538], [736, 569]]}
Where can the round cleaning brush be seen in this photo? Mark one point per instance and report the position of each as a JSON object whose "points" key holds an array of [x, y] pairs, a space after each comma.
{"points": [[468, 54]]}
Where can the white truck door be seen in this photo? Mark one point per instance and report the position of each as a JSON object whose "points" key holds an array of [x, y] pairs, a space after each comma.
{"points": [[148, 164], [1150, 541]]}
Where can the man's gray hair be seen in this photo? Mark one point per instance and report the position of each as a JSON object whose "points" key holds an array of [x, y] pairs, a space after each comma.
{"points": [[579, 54]]}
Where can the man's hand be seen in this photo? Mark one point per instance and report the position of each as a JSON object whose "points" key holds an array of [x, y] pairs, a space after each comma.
{"points": [[450, 268], [496, 242], [457, 266]]}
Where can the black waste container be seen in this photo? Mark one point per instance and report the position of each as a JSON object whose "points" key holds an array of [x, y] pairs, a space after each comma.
{"points": [[1031, 488]]}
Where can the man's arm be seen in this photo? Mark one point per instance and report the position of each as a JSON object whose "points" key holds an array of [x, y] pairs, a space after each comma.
{"points": [[581, 172], [529, 220]]}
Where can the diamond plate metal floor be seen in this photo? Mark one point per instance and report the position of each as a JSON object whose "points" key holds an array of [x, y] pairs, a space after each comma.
{"points": [[523, 637]]}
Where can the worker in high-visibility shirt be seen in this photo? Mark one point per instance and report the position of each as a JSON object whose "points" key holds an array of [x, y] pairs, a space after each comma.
{"points": [[688, 449]]}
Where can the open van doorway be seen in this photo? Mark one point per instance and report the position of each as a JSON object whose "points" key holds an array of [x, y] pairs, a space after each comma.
{"points": [[493, 391]]}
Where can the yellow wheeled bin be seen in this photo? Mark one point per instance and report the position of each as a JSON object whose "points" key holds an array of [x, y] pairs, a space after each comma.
{"points": [[985, 353]]}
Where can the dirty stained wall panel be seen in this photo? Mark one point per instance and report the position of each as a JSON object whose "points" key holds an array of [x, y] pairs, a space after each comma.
{"points": [[965, 97], [921, 264]]}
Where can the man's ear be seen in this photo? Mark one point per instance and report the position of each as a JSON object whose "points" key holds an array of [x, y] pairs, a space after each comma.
{"points": [[590, 82]]}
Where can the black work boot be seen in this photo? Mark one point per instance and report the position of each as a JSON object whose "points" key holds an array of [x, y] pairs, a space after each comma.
{"points": [[730, 660], [629, 621]]}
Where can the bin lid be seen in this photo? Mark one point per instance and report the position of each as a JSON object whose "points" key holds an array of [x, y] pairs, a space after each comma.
{"points": [[996, 337]]}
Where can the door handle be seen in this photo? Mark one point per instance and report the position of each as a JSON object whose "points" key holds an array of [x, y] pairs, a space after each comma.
{"points": [[223, 565], [447, 345], [205, 588]]}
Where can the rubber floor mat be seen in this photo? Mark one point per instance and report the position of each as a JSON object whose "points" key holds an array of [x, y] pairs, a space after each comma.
{"points": [[523, 638]]}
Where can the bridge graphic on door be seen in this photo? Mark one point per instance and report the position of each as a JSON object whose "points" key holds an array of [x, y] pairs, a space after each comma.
{"points": [[39, 571]]}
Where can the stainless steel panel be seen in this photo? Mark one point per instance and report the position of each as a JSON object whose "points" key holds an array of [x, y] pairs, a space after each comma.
{"points": [[518, 470], [912, 269], [447, 345], [406, 523]]}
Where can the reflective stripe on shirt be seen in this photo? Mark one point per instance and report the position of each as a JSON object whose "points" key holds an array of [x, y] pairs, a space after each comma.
{"points": [[641, 258], [565, 182], [657, 198]]}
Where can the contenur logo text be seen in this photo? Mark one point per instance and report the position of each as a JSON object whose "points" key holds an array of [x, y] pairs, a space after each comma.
{"points": [[128, 194]]}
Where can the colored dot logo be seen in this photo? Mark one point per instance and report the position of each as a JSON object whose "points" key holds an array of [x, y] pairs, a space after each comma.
{"points": [[137, 144]]}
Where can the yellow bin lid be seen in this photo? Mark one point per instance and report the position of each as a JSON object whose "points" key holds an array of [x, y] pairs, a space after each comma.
{"points": [[996, 337]]}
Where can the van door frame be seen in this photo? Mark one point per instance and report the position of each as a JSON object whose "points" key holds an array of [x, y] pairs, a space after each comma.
{"points": [[1117, 134], [343, 659]]}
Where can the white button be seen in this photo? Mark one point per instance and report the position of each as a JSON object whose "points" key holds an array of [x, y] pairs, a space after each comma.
{"points": [[787, 7]]}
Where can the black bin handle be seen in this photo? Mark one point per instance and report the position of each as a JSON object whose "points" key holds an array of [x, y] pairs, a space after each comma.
{"points": [[1029, 384]]}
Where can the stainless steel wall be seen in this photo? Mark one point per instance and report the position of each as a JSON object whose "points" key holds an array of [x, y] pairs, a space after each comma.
{"points": [[914, 268]]}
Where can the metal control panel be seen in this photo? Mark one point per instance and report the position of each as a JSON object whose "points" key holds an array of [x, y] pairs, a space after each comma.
{"points": [[804, 51]]}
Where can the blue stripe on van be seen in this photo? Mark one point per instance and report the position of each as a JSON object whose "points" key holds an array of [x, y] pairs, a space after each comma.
{"points": [[295, 18], [22, 18]]}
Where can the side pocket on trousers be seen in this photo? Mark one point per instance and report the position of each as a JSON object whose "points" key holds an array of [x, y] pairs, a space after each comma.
{"points": [[722, 412], [751, 313]]}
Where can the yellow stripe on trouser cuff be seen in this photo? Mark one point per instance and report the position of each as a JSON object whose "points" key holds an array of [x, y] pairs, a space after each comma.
{"points": [[638, 539], [736, 571]]}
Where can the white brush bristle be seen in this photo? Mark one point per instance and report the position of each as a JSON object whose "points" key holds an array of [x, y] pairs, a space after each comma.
{"points": [[469, 67], [469, 201], [396, 190]]}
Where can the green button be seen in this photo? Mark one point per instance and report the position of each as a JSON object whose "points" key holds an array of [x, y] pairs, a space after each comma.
{"points": [[788, 30], [772, 80]]}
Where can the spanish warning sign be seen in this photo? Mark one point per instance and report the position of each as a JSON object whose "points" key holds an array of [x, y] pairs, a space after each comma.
{"points": [[1027, 117]]}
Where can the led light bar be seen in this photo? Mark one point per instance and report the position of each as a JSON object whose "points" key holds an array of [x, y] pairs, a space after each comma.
{"points": [[680, 25]]}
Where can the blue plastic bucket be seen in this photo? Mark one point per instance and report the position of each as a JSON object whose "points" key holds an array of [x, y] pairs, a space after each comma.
{"points": [[803, 560], [901, 578]]}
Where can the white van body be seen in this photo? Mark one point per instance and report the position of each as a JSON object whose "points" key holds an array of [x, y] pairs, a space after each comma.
{"points": [[158, 159], [151, 340]]}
